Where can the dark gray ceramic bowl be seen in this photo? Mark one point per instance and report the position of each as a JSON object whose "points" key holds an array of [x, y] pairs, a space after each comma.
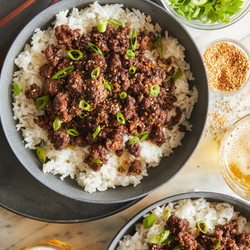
{"points": [[129, 227], [157, 176]]}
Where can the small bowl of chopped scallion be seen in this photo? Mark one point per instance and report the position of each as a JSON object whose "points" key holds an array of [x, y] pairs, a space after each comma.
{"points": [[207, 14]]}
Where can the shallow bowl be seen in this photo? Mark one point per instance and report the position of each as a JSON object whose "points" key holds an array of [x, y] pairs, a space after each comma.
{"points": [[168, 166], [129, 227]]}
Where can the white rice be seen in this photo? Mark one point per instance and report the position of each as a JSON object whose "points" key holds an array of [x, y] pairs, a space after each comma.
{"points": [[194, 211], [70, 162]]}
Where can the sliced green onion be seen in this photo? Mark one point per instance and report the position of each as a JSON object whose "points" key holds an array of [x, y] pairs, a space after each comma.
{"points": [[166, 214], [95, 73], [155, 90], [144, 136], [178, 74], [16, 89], [169, 240], [132, 70], [133, 37], [41, 154], [72, 132], [84, 105], [123, 95], [130, 54], [102, 25], [167, 95], [202, 226], [148, 221], [115, 22], [97, 131], [41, 102], [158, 45], [57, 123], [177, 248], [217, 244], [107, 85], [62, 73], [120, 118], [82, 116], [159, 238], [95, 48], [97, 161], [80, 55]]}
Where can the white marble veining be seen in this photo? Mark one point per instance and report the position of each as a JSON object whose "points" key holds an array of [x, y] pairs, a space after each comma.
{"points": [[200, 173]]}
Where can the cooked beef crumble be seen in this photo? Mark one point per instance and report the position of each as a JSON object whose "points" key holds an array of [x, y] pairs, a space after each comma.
{"points": [[142, 111], [224, 237]]}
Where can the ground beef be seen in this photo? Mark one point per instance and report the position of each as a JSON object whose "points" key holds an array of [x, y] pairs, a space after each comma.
{"points": [[33, 92], [84, 102], [176, 224], [135, 168]]}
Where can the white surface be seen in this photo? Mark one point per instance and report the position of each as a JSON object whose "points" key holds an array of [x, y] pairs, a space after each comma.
{"points": [[201, 173]]}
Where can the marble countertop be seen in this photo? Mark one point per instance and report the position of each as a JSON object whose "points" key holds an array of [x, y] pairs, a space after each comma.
{"points": [[201, 173]]}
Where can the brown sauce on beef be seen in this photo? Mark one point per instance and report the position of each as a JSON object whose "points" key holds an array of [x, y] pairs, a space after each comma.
{"points": [[142, 111]]}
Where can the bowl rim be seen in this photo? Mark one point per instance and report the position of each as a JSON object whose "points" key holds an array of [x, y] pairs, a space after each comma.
{"points": [[210, 196], [48, 16], [240, 46], [208, 26]]}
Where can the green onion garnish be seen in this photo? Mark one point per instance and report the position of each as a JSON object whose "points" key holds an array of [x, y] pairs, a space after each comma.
{"points": [[95, 73], [102, 25], [158, 45], [155, 90], [123, 95], [95, 48], [177, 248], [178, 74], [97, 131], [107, 85], [144, 136], [202, 226], [80, 55], [84, 105], [82, 116], [41, 102], [62, 73], [207, 10], [217, 244], [97, 161], [115, 22], [148, 221], [120, 118], [159, 238], [130, 54], [57, 123], [41, 154], [16, 89], [166, 214], [132, 70], [169, 240], [72, 132], [133, 40]]}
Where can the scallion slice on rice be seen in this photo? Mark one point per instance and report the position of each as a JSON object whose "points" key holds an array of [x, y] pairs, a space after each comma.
{"points": [[41, 154], [149, 221], [202, 226], [144, 136], [177, 75], [16, 89], [159, 238]]}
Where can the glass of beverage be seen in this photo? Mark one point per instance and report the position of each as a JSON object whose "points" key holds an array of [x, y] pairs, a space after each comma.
{"points": [[235, 157]]}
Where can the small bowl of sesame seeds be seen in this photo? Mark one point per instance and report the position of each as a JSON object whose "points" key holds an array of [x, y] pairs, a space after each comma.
{"points": [[227, 65]]}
